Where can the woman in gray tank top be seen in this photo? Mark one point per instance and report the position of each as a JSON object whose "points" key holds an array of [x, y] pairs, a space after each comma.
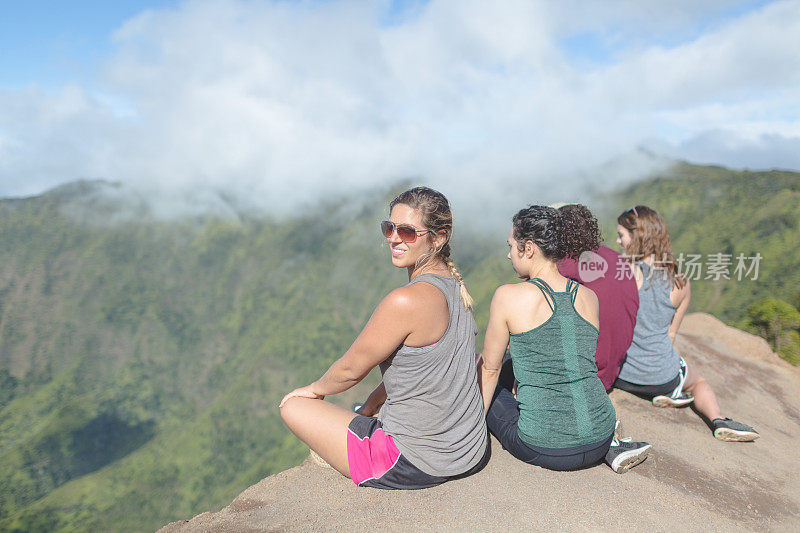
{"points": [[431, 426], [652, 367]]}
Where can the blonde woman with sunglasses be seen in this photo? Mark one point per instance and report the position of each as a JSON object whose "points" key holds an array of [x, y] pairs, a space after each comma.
{"points": [[429, 426]]}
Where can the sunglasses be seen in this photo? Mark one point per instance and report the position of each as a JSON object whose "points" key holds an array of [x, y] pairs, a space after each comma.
{"points": [[406, 232]]}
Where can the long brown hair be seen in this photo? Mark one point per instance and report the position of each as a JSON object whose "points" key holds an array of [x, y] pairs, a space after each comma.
{"points": [[649, 237], [437, 217]]}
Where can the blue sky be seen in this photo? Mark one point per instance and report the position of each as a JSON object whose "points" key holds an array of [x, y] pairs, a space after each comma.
{"points": [[54, 42], [259, 94], [50, 42]]}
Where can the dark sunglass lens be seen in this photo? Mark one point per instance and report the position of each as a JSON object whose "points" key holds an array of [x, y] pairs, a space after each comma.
{"points": [[386, 228], [407, 233]]}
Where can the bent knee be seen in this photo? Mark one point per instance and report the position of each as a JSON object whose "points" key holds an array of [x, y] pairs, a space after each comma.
{"points": [[697, 382], [289, 411]]}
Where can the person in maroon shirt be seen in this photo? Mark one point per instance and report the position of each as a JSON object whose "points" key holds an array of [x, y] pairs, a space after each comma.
{"points": [[606, 273]]}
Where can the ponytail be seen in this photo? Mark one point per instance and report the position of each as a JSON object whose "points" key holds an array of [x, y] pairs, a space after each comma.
{"points": [[466, 299]]}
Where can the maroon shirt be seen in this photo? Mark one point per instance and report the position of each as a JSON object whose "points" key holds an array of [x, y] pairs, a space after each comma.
{"points": [[619, 300]]}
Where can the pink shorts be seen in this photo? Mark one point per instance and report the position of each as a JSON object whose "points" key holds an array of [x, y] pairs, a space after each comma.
{"points": [[376, 462]]}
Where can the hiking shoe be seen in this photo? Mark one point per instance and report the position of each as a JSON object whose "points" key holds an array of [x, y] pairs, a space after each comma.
{"points": [[624, 454], [678, 400], [733, 431]]}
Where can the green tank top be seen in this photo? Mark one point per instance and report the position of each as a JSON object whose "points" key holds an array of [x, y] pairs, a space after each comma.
{"points": [[562, 402]]}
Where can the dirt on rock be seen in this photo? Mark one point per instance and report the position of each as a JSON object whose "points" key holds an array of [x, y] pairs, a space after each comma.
{"points": [[691, 481]]}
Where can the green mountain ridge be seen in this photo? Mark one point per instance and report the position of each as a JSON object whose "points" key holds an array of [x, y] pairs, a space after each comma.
{"points": [[141, 362]]}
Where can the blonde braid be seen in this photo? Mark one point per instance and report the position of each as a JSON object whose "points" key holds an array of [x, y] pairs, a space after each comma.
{"points": [[465, 296]]}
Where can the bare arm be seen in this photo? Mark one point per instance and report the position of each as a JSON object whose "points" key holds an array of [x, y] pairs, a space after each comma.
{"points": [[494, 347], [387, 328], [374, 402], [681, 297]]}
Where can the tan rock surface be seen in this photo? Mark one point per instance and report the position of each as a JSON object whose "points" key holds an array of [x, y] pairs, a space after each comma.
{"points": [[691, 481]]}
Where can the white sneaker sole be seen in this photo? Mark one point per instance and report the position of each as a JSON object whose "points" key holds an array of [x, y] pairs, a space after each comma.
{"points": [[666, 401], [627, 460], [735, 435]]}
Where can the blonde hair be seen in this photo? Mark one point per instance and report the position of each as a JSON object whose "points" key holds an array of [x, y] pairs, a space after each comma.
{"points": [[436, 217]]}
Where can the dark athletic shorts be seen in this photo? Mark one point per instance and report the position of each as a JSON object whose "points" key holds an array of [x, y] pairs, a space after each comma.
{"points": [[502, 420], [375, 461], [650, 391]]}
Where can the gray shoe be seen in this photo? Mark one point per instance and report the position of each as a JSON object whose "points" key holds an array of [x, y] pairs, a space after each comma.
{"points": [[733, 431], [624, 454]]}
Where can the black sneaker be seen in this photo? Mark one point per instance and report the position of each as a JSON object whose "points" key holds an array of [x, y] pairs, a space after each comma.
{"points": [[733, 431], [624, 454]]}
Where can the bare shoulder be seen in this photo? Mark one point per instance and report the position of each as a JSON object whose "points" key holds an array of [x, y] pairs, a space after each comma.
{"points": [[587, 305], [587, 295], [509, 292], [414, 298], [516, 297]]}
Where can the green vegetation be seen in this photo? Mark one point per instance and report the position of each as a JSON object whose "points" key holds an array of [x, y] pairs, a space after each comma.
{"points": [[779, 323], [141, 363], [712, 210]]}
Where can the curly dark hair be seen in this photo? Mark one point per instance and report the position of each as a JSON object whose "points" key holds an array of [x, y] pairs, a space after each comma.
{"points": [[556, 233], [582, 232], [543, 226]]}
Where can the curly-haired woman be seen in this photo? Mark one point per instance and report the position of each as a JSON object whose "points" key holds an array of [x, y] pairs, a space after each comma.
{"points": [[561, 418]]}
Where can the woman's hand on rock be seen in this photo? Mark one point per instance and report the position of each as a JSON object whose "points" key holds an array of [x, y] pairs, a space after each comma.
{"points": [[302, 392]]}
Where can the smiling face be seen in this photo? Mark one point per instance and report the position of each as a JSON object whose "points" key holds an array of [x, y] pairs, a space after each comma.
{"points": [[406, 254], [623, 238]]}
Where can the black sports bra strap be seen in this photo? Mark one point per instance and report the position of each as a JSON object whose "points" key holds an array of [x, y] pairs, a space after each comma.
{"points": [[546, 291]]}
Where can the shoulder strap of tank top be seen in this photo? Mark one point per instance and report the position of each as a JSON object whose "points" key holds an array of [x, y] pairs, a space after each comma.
{"points": [[437, 281], [549, 297], [426, 277], [572, 288]]}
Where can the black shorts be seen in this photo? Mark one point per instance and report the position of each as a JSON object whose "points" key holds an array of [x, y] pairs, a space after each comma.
{"points": [[502, 420], [375, 461], [648, 391]]}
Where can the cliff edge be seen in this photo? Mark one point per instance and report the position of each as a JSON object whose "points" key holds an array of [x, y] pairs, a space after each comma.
{"points": [[691, 481]]}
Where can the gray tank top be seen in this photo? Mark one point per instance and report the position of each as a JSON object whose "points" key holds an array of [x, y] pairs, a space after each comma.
{"points": [[652, 359], [433, 409]]}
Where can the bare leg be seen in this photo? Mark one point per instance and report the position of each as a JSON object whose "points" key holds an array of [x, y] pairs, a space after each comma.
{"points": [[705, 400], [321, 425]]}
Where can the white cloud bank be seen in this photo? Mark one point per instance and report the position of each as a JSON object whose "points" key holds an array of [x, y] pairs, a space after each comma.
{"points": [[280, 101]]}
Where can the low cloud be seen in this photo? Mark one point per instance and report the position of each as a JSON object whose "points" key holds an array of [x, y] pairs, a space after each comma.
{"points": [[281, 102]]}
